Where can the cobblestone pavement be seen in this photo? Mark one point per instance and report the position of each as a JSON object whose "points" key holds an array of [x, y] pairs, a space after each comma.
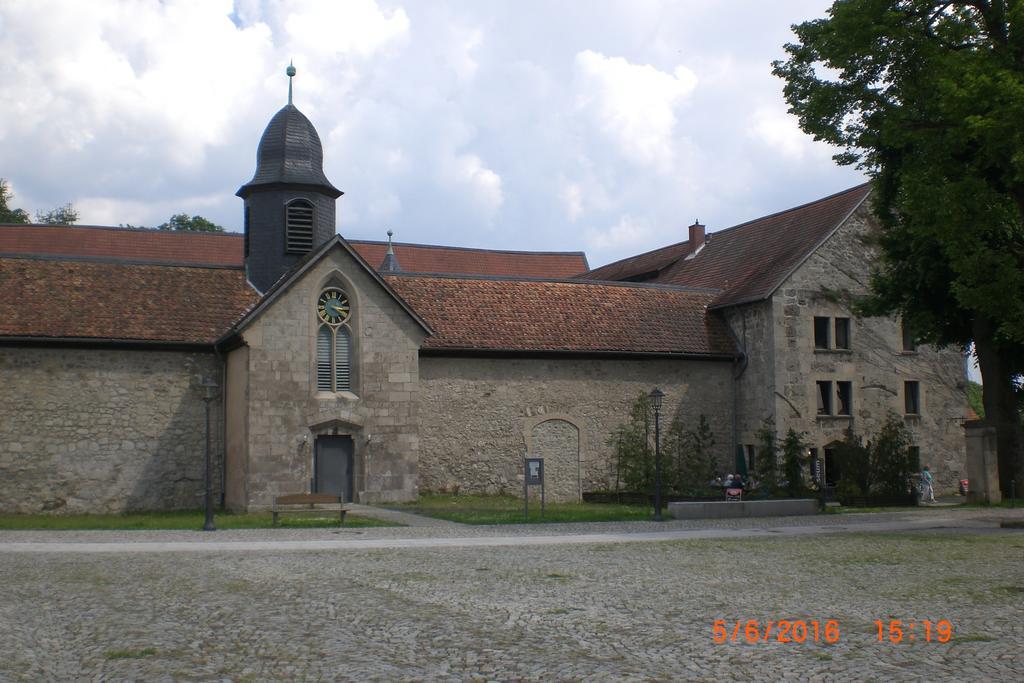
{"points": [[599, 611]]}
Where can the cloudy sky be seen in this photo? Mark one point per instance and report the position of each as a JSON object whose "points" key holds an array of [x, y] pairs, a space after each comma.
{"points": [[585, 125]]}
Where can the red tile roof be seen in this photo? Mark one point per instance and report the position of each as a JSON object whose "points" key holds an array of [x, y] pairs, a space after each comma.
{"points": [[485, 314], [748, 261], [135, 244], [636, 267], [48, 298], [225, 249], [424, 258]]}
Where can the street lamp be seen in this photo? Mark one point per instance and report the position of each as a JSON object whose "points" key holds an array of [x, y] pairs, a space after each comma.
{"points": [[656, 397], [210, 386]]}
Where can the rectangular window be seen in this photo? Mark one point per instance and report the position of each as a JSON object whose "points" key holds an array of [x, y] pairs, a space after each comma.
{"points": [[824, 398], [820, 332], [842, 333], [750, 458], [844, 398], [912, 398], [908, 338]]}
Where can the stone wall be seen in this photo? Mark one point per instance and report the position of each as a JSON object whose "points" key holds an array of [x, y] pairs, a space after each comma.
{"points": [[85, 430], [478, 416], [876, 365], [753, 328], [286, 413]]}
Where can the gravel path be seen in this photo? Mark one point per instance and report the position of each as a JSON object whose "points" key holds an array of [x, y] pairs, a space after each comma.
{"points": [[534, 611]]}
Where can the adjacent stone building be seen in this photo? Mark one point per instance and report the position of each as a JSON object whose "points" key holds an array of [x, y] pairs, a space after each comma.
{"points": [[379, 370]]}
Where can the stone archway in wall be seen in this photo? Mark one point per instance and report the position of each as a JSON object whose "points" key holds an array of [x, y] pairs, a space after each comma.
{"points": [[557, 439]]}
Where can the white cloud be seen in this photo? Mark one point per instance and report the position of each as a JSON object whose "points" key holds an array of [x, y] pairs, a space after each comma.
{"points": [[355, 27], [572, 198], [634, 104], [385, 207], [483, 184], [773, 127], [628, 235], [115, 211]]}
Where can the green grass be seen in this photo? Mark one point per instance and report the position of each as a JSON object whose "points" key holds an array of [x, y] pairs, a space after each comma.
{"points": [[186, 519], [509, 510]]}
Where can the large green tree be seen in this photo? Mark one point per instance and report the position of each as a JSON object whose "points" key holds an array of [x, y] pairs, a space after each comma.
{"points": [[928, 98], [184, 222], [9, 214]]}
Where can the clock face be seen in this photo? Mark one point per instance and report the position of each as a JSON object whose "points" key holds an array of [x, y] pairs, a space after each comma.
{"points": [[332, 306]]}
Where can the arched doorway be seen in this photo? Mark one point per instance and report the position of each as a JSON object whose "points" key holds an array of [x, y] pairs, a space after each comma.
{"points": [[557, 440]]}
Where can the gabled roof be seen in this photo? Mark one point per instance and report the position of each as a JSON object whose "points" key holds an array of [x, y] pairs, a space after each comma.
{"points": [[134, 244], [48, 299], [426, 258], [644, 266], [569, 316], [293, 274], [225, 249], [749, 261]]}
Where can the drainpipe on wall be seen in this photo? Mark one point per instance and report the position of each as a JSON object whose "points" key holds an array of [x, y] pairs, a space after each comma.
{"points": [[738, 368], [223, 421]]}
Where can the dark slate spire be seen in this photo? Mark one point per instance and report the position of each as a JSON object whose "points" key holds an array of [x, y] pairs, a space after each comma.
{"points": [[290, 152], [289, 203], [390, 263]]}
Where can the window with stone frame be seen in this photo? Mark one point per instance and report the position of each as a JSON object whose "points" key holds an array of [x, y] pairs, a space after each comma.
{"points": [[821, 333], [824, 398], [834, 398], [909, 345], [912, 398], [334, 372], [831, 334], [844, 398], [842, 335]]}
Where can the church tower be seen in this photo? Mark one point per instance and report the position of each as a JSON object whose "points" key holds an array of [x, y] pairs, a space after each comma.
{"points": [[289, 203]]}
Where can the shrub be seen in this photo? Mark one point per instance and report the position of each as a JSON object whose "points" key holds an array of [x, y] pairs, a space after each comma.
{"points": [[766, 466], [794, 450], [854, 463], [892, 462]]}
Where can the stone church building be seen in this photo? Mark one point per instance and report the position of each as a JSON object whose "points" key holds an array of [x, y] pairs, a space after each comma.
{"points": [[381, 370]]}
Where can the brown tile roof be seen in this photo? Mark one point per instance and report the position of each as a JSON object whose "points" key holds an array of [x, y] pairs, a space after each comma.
{"points": [[423, 258], [748, 261], [49, 298], [635, 267], [225, 249], [489, 314], [135, 244]]}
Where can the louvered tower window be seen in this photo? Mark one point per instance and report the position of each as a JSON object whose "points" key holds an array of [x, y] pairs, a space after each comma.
{"points": [[334, 342], [298, 227]]}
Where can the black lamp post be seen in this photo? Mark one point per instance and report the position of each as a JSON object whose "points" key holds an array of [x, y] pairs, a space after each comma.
{"points": [[210, 387], [656, 397]]}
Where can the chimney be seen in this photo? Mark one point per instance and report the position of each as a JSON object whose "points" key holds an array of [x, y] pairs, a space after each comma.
{"points": [[696, 237]]}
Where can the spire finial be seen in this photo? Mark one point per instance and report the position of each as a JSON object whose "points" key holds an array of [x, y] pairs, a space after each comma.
{"points": [[291, 72], [390, 263]]}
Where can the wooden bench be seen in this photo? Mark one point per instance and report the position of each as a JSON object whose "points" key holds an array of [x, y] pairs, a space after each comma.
{"points": [[306, 503]]}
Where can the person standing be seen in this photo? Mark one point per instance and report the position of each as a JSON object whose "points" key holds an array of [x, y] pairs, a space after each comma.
{"points": [[927, 490]]}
